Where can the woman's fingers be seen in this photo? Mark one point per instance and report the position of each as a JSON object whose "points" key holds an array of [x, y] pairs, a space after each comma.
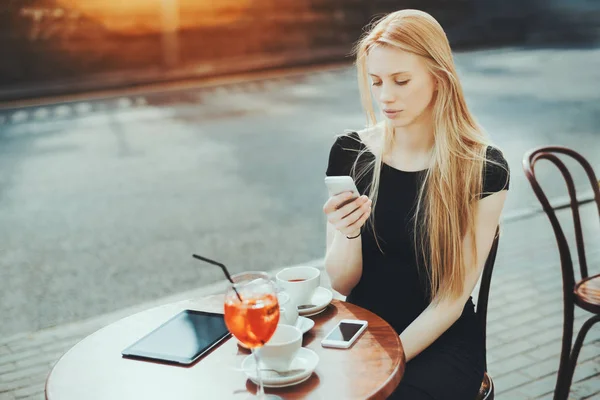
{"points": [[347, 210], [347, 215], [355, 219], [335, 202], [360, 222]]}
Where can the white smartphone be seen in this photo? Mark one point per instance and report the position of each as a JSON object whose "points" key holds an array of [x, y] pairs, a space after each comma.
{"points": [[340, 184], [345, 333]]}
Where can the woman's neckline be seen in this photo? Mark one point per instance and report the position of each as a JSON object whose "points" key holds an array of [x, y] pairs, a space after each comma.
{"points": [[402, 170], [386, 164]]}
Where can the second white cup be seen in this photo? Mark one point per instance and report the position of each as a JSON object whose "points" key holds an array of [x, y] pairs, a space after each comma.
{"points": [[279, 352]]}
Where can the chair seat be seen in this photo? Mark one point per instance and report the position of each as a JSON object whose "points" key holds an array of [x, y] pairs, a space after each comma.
{"points": [[587, 294], [486, 391]]}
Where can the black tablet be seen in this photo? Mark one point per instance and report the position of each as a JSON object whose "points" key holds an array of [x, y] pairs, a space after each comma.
{"points": [[182, 339]]}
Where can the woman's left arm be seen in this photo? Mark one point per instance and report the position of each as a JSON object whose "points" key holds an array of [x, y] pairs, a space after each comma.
{"points": [[436, 319]]}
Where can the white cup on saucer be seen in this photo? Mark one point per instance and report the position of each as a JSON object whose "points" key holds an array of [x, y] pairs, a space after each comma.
{"points": [[299, 282], [288, 310], [279, 352]]}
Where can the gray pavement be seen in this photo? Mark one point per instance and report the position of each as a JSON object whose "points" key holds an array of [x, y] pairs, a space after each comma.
{"points": [[103, 202]]}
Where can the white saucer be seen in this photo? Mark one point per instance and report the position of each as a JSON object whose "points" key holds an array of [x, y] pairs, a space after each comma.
{"points": [[305, 359], [321, 299], [302, 323]]}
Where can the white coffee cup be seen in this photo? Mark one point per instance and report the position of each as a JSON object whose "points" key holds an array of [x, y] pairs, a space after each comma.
{"points": [[299, 282], [279, 352], [288, 310]]}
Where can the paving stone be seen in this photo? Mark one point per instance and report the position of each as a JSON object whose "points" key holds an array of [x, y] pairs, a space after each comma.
{"points": [[36, 390], [43, 359], [509, 381], [511, 349], [518, 332], [542, 368], [552, 321], [586, 389], [538, 387], [23, 373], [7, 396], [38, 396], [493, 342], [546, 336], [5, 368], [511, 395], [587, 369], [514, 363], [546, 351], [25, 382], [22, 355]]}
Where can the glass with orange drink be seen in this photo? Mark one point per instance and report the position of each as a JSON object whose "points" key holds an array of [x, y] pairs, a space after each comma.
{"points": [[252, 314]]}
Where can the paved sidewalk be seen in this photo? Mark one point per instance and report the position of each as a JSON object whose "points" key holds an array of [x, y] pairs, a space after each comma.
{"points": [[524, 328]]}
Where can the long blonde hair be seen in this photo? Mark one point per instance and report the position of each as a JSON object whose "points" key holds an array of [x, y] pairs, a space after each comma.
{"points": [[445, 212]]}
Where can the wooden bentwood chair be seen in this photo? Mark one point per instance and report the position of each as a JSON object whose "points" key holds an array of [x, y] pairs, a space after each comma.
{"points": [[584, 293]]}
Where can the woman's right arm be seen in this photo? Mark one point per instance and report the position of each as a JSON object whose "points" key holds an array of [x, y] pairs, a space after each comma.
{"points": [[343, 260]]}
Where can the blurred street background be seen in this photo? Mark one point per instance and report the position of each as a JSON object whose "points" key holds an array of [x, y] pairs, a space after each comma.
{"points": [[134, 133], [104, 201], [186, 126]]}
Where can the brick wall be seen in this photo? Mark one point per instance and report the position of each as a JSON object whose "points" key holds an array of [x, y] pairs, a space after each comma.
{"points": [[58, 46]]}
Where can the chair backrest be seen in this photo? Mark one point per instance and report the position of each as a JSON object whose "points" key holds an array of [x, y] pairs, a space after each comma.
{"points": [[484, 289], [550, 153]]}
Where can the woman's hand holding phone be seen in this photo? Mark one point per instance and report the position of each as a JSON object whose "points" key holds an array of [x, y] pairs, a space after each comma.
{"points": [[346, 214], [347, 211]]}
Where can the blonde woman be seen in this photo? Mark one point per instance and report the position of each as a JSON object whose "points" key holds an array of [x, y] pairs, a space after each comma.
{"points": [[412, 247]]}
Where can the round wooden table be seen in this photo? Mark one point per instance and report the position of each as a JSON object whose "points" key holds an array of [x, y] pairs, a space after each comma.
{"points": [[94, 368]]}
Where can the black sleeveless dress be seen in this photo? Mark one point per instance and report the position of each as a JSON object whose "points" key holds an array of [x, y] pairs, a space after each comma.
{"points": [[452, 367]]}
